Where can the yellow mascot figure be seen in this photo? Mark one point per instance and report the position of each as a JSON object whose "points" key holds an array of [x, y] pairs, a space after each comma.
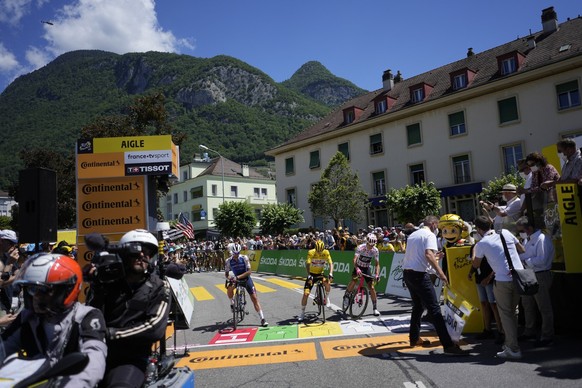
{"points": [[454, 230]]}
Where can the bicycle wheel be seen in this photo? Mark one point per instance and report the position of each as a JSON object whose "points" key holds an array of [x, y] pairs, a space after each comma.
{"points": [[359, 302], [321, 300], [242, 303], [235, 308]]}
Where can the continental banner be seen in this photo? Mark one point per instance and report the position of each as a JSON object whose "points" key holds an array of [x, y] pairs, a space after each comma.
{"points": [[292, 263]]}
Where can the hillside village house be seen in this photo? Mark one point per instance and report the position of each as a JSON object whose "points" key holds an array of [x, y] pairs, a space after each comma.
{"points": [[199, 192], [459, 125]]}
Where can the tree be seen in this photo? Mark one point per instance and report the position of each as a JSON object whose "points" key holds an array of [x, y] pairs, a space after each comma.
{"points": [[235, 219], [492, 191], [278, 217], [338, 195], [413, 203]]}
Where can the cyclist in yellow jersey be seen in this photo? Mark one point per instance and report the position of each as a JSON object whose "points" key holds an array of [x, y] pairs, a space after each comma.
{"points": [[316, 260]]}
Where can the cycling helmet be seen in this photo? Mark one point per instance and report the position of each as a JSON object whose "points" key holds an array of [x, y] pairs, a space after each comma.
{"points": [[57, 275], [371, 239], [319, 247], [144, 238], [235, 248]]}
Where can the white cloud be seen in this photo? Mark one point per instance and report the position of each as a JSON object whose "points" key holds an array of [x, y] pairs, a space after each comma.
{"points": [[119, 26], [11, 11], [8, 61], [36, 57]]}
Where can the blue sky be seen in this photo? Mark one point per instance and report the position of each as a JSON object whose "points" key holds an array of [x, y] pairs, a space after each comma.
{"points": [[355, 39]]}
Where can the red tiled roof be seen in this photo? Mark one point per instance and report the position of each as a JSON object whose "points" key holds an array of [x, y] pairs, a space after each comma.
{"points": [[484, 64]]}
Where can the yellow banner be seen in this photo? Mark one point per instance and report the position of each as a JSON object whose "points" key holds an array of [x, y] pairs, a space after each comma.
{"points": [[175, 161], [458, 265], [111, 205], [132, 143], [571, 224], [100, 166], [226, 358]]}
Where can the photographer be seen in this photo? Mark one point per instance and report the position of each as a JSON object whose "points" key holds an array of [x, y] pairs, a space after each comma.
{"points": [[9, 264], [135, 304]]}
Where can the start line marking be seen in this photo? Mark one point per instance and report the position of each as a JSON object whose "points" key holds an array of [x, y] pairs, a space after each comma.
{"points": [[260, 355]]}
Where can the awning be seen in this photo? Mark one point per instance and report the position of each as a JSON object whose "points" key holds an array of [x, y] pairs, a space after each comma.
{"points": [[375, 201], [467, 188]]}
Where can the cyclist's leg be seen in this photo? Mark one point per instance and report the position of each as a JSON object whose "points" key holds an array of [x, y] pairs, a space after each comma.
{"points": [[306, 291], [255, 298]]}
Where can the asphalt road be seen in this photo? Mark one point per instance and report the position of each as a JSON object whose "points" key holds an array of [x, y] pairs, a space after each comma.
{"points": [[373, 351]]}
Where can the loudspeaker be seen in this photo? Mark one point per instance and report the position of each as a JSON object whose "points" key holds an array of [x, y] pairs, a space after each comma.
{"points": [[37, 205]]}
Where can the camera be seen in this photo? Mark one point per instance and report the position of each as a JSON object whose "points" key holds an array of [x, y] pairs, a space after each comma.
{"points": [[109, 262], [5, 276]]}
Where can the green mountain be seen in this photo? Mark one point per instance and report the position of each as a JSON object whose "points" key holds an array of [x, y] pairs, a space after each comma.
{"points": [[221, 102], [318, 83]]}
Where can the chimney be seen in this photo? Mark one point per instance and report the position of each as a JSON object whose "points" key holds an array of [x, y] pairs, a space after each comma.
{"points": [[398, 77], [470, 52], [549, 20], [388, 80], [245, 170], [531, 42]]}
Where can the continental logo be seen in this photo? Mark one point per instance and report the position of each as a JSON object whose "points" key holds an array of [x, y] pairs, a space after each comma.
{"points": [[108, 188], [199, 360], [97, 205], [89, 223], [111, 163], [344, 348]]}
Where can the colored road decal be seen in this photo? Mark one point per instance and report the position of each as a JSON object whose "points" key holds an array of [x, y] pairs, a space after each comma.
{"points": [[276, 333], [319, 330], [249, 356], [284, 283], [234, 337], [200, 293], [366, 326], [372, 346], [221, 287]]}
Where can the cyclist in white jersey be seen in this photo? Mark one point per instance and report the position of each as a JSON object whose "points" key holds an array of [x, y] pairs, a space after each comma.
{"points": [[363, 257]]}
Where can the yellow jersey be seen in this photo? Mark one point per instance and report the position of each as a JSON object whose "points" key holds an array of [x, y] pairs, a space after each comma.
{"points": [[317, 261]]}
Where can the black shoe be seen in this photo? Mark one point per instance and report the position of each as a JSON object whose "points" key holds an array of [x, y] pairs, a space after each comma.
{"points": [[486, 334], [526, 337], [419, 342], [455, 350]]}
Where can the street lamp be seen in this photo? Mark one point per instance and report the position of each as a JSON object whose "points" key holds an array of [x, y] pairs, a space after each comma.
{"points": [[202, 146]]}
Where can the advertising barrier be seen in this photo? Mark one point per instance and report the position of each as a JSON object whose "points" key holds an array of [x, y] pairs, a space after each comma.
{"points": [[292, 263]]}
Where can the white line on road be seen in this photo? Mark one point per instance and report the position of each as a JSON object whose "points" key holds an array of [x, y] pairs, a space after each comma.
{"points": [[416, 384]]}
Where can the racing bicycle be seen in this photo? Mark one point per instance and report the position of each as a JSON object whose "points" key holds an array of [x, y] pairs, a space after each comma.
{"points": [[320, 298], [239, 308], [358, 298]]}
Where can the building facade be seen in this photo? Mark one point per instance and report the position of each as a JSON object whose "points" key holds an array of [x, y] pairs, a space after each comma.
{"points": [[206, 183], [459, 125]]}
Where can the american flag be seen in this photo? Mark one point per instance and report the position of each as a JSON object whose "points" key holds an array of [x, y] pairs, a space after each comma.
{"points": [[185, 226]]}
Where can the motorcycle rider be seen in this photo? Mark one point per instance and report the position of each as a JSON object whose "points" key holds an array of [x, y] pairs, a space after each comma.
{"points": [[136, 308], [53, 323]]}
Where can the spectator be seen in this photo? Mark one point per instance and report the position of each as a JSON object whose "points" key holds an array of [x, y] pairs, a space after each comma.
{"points": [[421, 256], [541, 196], [506, 294], [484, 277], [538, 255], [526, 174]]}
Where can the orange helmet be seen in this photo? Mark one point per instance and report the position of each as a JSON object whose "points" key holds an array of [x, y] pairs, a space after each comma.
{"points": [[56, 274], [319, 247]]}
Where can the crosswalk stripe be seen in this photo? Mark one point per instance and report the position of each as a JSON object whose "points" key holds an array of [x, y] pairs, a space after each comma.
{"points": [[221, 287], [200, 293], [262, 288], [283, 283]]}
